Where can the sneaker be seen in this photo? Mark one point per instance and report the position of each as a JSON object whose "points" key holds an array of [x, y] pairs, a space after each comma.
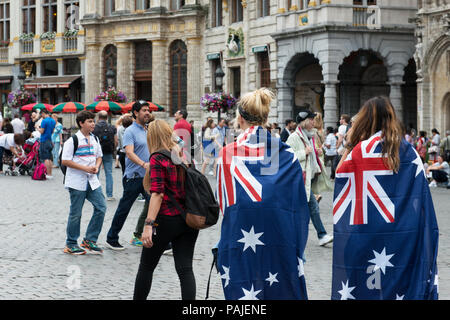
{"points": [[75, 250], [168, 251], [141, 198], [111, 199], [325, 240], [433, 184], [116, 246], [49, 177], [91, 247], [135, 241], [211, 173]]}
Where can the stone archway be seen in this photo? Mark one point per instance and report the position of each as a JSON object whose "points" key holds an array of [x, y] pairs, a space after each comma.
{"points": [[362, 75], [309, 90]]}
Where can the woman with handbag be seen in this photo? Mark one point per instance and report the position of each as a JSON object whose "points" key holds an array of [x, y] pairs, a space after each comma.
{"points": [[433, 150], [164, 222]]}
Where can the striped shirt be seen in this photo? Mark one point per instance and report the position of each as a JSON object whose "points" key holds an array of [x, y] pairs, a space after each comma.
{"points": [[87, 153]]}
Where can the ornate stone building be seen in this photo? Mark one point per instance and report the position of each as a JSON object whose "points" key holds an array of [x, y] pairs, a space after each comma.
{"points": [[433, 60], [334, 54], [154, 49]]}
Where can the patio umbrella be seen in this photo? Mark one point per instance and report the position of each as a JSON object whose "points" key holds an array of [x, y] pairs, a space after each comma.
{"points": [[37, 106], [69, 107], [152, 106], [105, 105]]}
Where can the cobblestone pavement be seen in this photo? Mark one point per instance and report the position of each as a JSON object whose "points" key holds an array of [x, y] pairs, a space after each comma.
{"points": [[33, 216]]}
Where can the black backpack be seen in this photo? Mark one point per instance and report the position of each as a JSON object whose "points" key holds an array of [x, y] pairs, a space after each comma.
{"points": [[202, 209], [105, 133]]}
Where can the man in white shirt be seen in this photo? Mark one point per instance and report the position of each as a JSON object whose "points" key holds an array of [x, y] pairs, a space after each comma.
{"points": [[83, 184], [18, 124], [8, 144], [330, 149]]}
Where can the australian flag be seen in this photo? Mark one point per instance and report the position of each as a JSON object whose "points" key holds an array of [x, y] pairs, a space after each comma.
{"points": [[385, 228], [265, 219]]}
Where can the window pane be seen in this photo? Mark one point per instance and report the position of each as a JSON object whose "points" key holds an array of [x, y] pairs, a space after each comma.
{"points": [[143, 54], [50, 68], [72, 66], [46, 22]]}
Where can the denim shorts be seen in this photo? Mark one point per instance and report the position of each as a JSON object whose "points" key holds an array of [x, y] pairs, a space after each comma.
{"points": [[45, 150]]}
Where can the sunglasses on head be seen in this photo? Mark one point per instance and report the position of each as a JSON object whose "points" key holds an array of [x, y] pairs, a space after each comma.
{"points": [[143, 103]]}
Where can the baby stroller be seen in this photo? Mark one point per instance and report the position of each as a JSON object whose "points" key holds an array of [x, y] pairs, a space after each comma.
{"points": [[26, 164]]}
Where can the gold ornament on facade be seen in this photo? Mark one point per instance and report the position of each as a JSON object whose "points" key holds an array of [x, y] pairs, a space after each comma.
{"points": [[312, 3], [244, 3], [293, 8], [225, 5], [27, 67], [325, 2], [48, 45], [281, 10]]}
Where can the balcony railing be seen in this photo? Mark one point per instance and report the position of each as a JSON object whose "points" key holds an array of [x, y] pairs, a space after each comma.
{"points": [[70, 44], [4, 54], [27, 46], [360, 16]]}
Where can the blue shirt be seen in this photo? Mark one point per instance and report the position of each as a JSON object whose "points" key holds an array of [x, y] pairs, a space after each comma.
{"points": [[136, 135], [48, 124]]}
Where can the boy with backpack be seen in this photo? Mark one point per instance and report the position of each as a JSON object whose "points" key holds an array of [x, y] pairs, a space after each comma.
{"points": [[81, 180], [106, 133]]}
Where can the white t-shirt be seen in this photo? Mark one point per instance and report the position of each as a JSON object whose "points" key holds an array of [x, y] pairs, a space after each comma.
{"points": [[86, 154], [18, 125], [7, 141], [341, 132], [446, 168], [331, 141]]}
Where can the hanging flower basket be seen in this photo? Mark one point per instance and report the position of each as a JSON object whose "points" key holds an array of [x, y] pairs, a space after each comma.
{"points": [[111, 94], [20, 98], [48, 35], [26, 36], [218, 101], [70, 33]]}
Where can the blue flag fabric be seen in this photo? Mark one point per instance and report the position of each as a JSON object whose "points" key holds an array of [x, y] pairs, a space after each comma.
{"points": [[265, 219], [385, 229]]}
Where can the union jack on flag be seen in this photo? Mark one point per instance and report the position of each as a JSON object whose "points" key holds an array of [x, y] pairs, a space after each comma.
{"points": [[361, 167]]}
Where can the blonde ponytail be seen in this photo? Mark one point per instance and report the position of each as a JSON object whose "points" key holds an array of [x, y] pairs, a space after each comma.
{"points": [[254, 106]]}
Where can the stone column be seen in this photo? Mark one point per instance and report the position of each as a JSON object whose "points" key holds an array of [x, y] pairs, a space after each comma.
{"points": [[60, 66], [38, 68], [123, 76], [160, 82], [92, 75], [330, 107], [285, 98], [194, 83], [396, 98]]}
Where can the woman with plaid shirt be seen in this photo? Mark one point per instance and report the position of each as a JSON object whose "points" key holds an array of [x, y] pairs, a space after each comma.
{"points": [[164, 222]]}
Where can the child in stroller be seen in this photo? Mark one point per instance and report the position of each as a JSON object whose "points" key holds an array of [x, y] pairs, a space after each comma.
{"points": [[10, 144]]}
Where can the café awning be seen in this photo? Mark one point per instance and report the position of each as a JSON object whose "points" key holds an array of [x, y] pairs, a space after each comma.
{"points": [[51, 82], [5, 79]]}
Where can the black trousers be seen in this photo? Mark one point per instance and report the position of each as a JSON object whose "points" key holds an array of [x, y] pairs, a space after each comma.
{"points": [[183, 238], [439, 175]]}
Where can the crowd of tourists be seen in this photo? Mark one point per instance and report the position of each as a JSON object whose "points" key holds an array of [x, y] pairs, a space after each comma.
{"points": [[261, 251]]}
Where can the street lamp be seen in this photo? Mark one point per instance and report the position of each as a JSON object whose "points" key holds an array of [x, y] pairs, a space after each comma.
{"points": [[219, 74], [110, 76]]}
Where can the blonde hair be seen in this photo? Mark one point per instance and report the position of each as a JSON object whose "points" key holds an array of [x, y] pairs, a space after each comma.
{"points": [[318, 121], [256, 106], [159, 137]]}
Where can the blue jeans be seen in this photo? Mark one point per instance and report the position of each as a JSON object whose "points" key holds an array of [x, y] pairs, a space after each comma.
{"points": [[314, 213], [77, 199], [132, 187], [55, 153], [108, 165]]}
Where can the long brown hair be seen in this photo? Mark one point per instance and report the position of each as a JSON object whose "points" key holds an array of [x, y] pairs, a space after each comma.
{"points": [[378, 114]]}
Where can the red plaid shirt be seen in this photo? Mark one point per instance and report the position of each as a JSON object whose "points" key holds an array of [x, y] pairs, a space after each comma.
{"points": [[163, 176]]}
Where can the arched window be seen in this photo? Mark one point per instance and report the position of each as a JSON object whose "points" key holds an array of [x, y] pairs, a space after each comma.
{"points": [[178, 76], [109, 62]]}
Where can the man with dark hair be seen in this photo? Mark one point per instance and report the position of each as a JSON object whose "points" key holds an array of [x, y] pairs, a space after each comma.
{"points": [[136, 163], [82, 182], [106, 133], [46, 147], [284, 135], [184, 130]]}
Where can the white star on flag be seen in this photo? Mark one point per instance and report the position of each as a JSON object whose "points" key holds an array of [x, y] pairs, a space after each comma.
{"points": [[293, 153], [418, 162], [250, 295], [301, 269], [272, 278], [345, 292], [251, 239], [226, 275], [381, 261], [399, 297]]}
